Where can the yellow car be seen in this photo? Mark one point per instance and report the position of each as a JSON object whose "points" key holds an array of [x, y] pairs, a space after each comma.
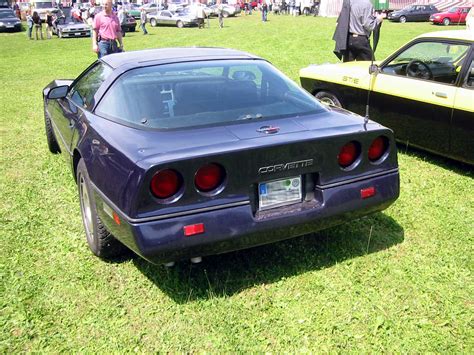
{"points": [[424, 92]]}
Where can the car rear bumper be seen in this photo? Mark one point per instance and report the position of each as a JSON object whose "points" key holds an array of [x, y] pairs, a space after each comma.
{"points": [[239, 227]]}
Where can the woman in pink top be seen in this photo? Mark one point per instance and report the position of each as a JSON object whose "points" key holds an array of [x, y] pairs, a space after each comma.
{"points": [[106, 32]]}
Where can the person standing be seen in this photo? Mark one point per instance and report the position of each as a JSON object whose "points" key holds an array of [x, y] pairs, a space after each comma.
{"points": [[37, 25], [106, 32], [354, 27], [29, 24], [122, 16], [220, 13], [264, 11], [143, 21], [49, 25], [200, 14]]}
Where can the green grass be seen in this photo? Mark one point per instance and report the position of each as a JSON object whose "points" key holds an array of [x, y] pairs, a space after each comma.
{"points": [[397, 281]]}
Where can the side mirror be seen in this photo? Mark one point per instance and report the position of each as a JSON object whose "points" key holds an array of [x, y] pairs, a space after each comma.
{"points": [[374, 68], [58, 92]]}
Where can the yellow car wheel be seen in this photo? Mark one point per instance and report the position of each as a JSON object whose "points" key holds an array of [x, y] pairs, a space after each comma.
{"points": [[328, 98]]}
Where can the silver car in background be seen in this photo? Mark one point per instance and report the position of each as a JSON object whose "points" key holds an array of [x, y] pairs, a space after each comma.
{"points": [[178, 19]]}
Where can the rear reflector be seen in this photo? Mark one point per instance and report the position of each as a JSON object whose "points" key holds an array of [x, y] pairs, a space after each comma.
{"points": [[368, 192], [193, 229], [116, 218]]}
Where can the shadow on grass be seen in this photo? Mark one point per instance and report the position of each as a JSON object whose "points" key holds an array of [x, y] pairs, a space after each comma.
{"points": [[226, 274], [457, 167]]}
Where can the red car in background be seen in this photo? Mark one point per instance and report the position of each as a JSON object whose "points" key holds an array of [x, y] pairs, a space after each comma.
{"points": [[455, 15]]}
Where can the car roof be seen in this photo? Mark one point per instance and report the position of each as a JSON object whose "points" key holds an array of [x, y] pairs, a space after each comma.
{"points": [[464, 35], [173, 55]]}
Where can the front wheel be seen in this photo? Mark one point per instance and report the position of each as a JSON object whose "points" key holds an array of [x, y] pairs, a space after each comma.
{"points": [[225, 14], [446, 21], [100, 241], [60, 34], [403, 19], [328, 98], [180, 24], [153, 22]]}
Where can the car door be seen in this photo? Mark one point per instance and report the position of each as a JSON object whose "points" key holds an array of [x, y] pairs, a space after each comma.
{"points": [[462, 126], [415, 90], [66, 112]]}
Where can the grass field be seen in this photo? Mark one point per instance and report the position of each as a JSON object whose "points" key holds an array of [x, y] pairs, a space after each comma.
{"points": [[397, 281]]}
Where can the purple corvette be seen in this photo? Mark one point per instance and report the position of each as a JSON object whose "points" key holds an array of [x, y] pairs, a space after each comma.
{"points": [[185, 152]]}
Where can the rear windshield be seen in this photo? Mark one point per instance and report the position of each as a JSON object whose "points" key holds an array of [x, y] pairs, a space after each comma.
{"points": [[204, 93]]}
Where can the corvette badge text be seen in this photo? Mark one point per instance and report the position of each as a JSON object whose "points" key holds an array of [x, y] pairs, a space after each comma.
{"points": [[286, 166]]}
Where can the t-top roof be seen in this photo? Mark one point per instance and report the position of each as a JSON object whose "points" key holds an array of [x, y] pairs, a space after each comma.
{"points": [[173, 55]]}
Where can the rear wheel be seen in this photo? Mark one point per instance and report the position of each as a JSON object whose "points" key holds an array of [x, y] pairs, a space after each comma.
{"points": [[50, 138], [180, 24], [132, 29], [403, 19], [446, 21], [153, 22], [100, 241], [328, 98]]}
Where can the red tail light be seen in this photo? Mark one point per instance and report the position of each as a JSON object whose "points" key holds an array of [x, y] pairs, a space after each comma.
{"points": [[348, 154], [165, 183], [209, 177], [378, 148]]}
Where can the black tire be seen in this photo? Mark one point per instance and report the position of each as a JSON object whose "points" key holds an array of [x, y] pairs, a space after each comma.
{"points": [[328, 98], [225, 14], [180, 24], [446, 21], [153, 22], [402, 19], [100, 241], [50, 138], [132, 29]]}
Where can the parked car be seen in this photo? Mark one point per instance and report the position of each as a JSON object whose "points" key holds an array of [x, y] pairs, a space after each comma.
{"points": [[151, 7], [133, 10], [66, 27], [185, 152], [424, 92], [9, 21], [415, 13], [227, 10], [178, 19], [130, 23], [455, 15]]}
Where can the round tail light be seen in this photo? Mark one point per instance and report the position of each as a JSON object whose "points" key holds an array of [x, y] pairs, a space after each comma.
{"points": [[209, 177], [378, 148], [165, 183], [348, 154]]}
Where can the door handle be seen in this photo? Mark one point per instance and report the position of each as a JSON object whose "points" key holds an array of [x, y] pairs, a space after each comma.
{"points": [[441, 94]]}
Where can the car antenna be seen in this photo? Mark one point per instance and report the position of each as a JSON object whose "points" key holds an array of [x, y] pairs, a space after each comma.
{"points": [[373, 71]]}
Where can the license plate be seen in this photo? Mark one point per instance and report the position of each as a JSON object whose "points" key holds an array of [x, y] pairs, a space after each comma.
{"points": [[279, 192], [77, 34], [10, 26]]}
